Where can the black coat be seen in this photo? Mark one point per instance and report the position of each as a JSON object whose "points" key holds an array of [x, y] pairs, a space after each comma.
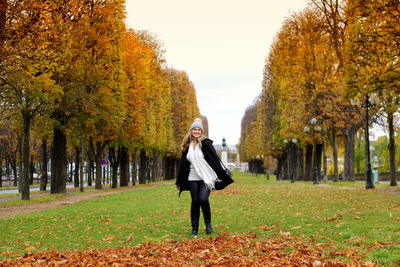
{"points": [[210, 155]]}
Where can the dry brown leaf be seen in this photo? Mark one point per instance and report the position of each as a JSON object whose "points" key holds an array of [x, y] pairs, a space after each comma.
{"points": [[221, 250]]}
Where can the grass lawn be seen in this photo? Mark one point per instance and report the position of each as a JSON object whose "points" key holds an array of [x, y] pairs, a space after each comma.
{"points": [[357, 184], [364, 223]]}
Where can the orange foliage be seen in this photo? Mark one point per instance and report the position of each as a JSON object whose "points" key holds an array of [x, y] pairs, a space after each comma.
{"points": [[184, 105]]}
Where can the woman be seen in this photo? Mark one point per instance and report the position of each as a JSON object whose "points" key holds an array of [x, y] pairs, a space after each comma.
{"points": [[200, 172]]}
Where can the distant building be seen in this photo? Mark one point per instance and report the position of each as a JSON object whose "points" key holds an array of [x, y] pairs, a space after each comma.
{"points": [[232, 153]]}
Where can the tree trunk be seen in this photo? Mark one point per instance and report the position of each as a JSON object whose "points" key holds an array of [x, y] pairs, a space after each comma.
{"points": [[90, 171], [58, 162], [171, 168], [114, 180], [114, 160], [13, 161], [77, 163], [20, 164], [98, 155], [70, 174], [81, 162], [26, 155], [90, 167], [92, 162], [300, 163], [165, 167], [172, 165], [134, 167], [176, 164], [169, 165], [31, 170], [124, 167], [392, 150], [7, 165], [285, 166], [159, 168], [142, 169], [325, 161], [148, 169], [43, 176], [1, 171], [335, 156], [154, 170], [279, 169], [319, 160], [309, 163], [348, 171], [293, 162]]}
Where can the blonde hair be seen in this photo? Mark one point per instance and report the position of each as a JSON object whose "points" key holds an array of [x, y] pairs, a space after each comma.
{"points": [[189, 138]]}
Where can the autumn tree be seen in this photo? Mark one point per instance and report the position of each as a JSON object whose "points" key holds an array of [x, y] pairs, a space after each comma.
{"points": [[297, 78], [91, 80], [9, 145], [147, 94], [27, 66], [92, 83], [303, 79], [205, 124], [184, 109], [247, 147], [372, 53]]}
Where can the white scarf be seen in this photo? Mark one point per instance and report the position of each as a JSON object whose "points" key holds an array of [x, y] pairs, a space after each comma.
{"points": [[205, 172]]}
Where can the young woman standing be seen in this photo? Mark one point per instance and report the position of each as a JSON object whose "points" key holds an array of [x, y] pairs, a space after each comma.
{"points": [[200, 172]]}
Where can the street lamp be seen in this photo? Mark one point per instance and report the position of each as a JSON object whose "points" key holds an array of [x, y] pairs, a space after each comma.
{"points": [[315, 173], [370, 101]]}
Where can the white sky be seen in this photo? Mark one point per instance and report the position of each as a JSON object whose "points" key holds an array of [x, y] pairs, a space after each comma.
{"points": [[221, 45]]}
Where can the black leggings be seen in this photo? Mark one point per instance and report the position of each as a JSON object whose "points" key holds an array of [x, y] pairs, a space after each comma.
{"points": [[200, 193]]}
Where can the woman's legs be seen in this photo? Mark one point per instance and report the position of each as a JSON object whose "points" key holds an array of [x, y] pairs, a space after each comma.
{"points": [[199, 193], [194, 193], [204, 192], [195, 208]]}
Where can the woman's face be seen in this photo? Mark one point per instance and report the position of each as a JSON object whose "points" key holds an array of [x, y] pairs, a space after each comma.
{"points": [[196, 132]]}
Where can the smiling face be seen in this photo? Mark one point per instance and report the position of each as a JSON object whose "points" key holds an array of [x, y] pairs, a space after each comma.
{"points": [[196, 132]]}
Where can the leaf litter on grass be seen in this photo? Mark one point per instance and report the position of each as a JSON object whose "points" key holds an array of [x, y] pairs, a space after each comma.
{"points": [[273, 211], [221, 250]]}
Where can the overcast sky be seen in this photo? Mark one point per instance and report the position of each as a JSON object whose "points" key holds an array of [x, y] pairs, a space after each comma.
{"points": [[221, 45]]}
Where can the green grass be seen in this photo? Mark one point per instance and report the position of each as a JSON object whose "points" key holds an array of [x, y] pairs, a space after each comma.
{"points": [[357, 184], [41, 199], [35, 193], [366, 221], [19, 194], [49, 198]]}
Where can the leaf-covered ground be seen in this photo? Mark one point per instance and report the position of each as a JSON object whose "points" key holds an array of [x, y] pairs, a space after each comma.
{"points": [[255, 220], [222, 250]]}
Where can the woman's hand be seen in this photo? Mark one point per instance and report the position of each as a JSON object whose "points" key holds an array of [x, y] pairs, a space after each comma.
{"points": [[177, 187]]}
